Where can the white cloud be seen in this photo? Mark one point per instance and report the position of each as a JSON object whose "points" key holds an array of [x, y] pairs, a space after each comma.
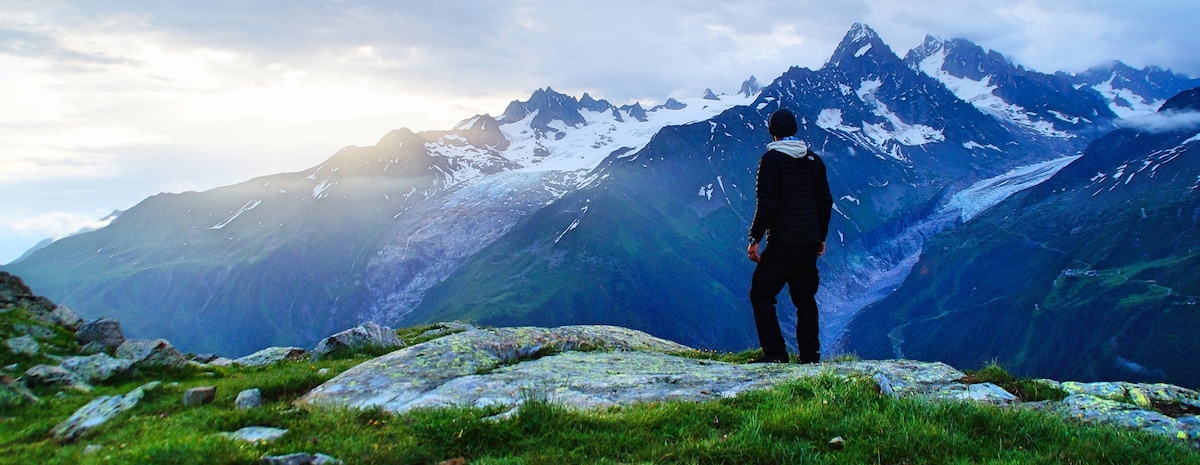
{"points": [[58, 224], [1164, 121]]}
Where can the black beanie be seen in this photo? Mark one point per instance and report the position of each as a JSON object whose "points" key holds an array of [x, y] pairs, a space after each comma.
{"points": [[782, 124]]}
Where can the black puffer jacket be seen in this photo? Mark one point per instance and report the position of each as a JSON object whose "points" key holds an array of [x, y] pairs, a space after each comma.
{"points": [[794, 202]]}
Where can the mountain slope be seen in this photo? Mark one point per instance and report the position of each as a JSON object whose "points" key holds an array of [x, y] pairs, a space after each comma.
{"points": [[283, 259], [1090, 275], [1026, 100], [1132, 92]]}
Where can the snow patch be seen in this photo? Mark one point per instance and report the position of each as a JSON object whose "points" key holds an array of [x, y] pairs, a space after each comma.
{"points": [[1124, 102], [319, 190], [980, 94], [972, 145], [830, 119], [862, 51], [574, 224], [245, 208], [899, 131]]}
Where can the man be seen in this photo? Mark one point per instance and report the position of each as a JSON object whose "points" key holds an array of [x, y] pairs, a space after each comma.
{"points": [[792, 210]]}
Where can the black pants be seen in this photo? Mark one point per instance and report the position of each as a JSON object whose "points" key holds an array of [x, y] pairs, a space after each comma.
{"points": [[796, 266]]}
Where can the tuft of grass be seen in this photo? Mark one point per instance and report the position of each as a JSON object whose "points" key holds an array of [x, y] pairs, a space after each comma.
{"points": [[1028, 390], [718, 356], [424, 333], [842, 358]]}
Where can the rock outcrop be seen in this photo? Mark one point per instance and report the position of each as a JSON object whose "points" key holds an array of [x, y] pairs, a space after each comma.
{"points": [[100, 335], [602, 366], [272, 355], [362, 337]]}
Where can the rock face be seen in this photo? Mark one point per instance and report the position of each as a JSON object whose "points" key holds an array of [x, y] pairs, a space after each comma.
{"points": [[366, 335], [601, 366]]}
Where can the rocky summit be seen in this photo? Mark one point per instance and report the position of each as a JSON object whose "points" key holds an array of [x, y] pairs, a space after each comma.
{"points": [[603, 366]]}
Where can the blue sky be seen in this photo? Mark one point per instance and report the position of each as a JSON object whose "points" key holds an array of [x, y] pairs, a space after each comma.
{"points": [[103, 104]]}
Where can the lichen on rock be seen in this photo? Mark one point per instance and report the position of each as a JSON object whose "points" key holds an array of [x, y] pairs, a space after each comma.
{"points": [[577, 366]]}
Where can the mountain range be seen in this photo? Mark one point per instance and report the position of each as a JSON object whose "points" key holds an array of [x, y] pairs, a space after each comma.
{"points": [[567, 210], [1090, 273]]}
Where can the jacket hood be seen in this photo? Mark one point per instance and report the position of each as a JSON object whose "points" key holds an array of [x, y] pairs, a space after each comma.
{"points": [[793, 148]]}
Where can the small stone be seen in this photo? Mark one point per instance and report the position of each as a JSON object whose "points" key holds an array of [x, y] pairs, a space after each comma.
{"points": [[92, 449], [885, 385], [256, 434], [198, 396], [12, 367], [837, 443], [26, 345], [248, 399], [300, 458], [323, 371]]}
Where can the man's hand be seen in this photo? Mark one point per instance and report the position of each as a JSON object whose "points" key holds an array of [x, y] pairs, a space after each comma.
{"points": [[822, 251], [752, 250]]}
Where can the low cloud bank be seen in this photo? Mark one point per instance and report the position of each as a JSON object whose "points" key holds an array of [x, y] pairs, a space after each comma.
{"points": [[1166, 121]]}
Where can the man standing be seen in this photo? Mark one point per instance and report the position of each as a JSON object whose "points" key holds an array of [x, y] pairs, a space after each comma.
{"points": [[792, 210]]}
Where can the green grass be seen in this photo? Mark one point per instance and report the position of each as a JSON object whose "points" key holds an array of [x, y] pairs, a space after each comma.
{"points": [[792, 423], [1027, 390]]}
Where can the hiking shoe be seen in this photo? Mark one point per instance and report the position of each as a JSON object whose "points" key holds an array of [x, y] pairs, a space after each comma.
{"points": [[771, 359]]}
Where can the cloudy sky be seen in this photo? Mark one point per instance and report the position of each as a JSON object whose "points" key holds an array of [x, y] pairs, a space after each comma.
{"points": [[103, 104]]}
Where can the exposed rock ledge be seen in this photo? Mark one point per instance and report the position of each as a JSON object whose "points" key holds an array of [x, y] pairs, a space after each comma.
{"points": [[600, 366]]}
